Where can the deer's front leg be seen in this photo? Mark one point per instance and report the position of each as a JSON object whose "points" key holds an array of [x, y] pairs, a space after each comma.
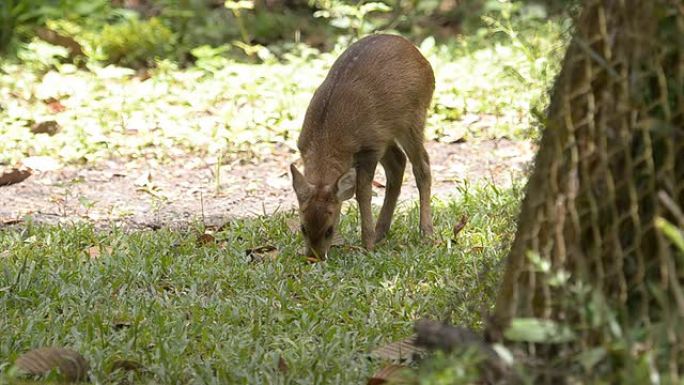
{"points": [[365, 170]]}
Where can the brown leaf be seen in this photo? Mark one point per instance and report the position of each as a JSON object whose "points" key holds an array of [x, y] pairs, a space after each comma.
{"points": [[49, 127], [10, 222], [96, 251], [387, 374], [312, 259], [477, 249], [71, 364], [55, 38], [13, 176], [282, 365], [378, 184], [206, 239], [262, 253], [125, 366], [460, 225], [121, 324], [402, 351]]}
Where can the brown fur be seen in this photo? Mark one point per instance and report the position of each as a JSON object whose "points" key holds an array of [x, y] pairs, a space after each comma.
{"points": [[370, 108]]}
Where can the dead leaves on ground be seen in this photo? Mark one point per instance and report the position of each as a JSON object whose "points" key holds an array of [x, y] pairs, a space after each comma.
{"points": [[94, 252], [282, 365], [125, 365], [68, 363], [402, 351], [262, 253], [49, 127], [14, 175], [391, 374], [459, 226]]}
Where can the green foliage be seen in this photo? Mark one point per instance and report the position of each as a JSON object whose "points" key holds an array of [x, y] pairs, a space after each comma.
{"points": [[20, 18], [136, 43], [191, 314], [222, 105]]}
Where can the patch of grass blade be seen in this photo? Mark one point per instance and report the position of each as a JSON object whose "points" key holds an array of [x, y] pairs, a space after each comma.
{"points": [[192, 313]]}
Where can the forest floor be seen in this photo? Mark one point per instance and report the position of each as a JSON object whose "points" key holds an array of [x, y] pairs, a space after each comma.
{"points": [[147, 194]]}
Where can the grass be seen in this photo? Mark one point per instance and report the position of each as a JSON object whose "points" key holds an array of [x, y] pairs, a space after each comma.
{"points": [[486, 85], [206, 314]]}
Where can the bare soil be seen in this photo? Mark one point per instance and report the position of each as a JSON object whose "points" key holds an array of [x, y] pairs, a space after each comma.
{"points": [[146, 194]]}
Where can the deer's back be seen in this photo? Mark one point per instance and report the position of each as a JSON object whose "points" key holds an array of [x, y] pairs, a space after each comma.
{"points": [[379, 87]]}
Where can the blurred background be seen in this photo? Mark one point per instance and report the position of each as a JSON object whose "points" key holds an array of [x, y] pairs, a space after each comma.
{"points": [[494, 60]]}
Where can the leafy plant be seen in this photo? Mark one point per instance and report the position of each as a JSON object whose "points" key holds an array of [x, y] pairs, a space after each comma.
{"points": [[136, 43]]}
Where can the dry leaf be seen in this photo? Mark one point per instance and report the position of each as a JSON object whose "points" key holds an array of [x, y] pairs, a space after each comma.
{"points": [[55, 107], [460, 225], [477, 249], [403, 351], [49, 127], [121, 324], [313, 259], [262, 253], [12, 176], [206, 239], [71, 364], [10, 222], [386, 374], [125, 366], [282, 365], [96, 251]]}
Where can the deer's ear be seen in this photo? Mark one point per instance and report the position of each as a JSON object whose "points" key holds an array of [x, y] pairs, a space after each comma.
{"points": [[346, 185], [301, 187]]}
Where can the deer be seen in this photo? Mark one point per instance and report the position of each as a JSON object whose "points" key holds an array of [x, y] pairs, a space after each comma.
{"points": [[371, 108]]}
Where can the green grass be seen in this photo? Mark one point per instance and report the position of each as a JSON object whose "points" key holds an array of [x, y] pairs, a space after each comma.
{"points": [[206, 314], [220, 106]]}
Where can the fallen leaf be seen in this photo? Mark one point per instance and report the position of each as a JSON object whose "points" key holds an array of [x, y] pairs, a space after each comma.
{"points": [[313, 260], [55, 38], [282, 365], [402, 351], [49, 127], [387, 374], [121, 324], [96, 251], [460, 225], [262, 253], [13, 176], [206, 239], [41, 163], [125, 366], [71, 365], [10, 222], [378, 184]]}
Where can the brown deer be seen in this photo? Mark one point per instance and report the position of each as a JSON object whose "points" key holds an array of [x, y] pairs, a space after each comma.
{"points": [[370, 108]]}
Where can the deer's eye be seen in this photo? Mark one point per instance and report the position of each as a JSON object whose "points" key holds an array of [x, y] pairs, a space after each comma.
{"points": [[303, 229], [328, 233]]}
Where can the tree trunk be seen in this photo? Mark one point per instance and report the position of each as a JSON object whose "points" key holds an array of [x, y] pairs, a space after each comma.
{"points": [[589, 252]]}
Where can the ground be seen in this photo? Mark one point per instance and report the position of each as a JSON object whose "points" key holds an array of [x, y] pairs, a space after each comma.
{"points": [[143, 193]]}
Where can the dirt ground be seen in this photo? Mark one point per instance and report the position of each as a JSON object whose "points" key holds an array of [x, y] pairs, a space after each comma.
{"points": [[145, 194]]}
